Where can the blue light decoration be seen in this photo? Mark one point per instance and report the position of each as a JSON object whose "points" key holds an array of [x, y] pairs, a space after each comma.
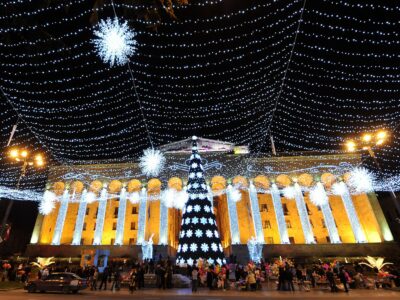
{"points": [[233, 218], [255, 250], [256, 214], [119, 237], [62, 213], [100, 217], [303, 213], [163, 222], [280, 217], [142, 216], [342, 190], [76, 240]]}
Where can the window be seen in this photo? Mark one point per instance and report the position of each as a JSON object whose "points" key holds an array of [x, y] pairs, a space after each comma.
{"points": [[114, 226], [264, 208], [311, 223], [133, 226], [112, 241], [285, 209], [116, 212], [291, 240], [315, 239], [94, 226], [134, 210], [308, 209], [87, 210], [288, 224], [270, 240], [84, 226], [328, 239], [82, 242], [95, 215], [267, 224], [323, 223], [131, 241]]}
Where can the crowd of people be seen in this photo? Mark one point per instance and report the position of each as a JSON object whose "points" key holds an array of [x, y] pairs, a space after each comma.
{"points": [[281, 274]]}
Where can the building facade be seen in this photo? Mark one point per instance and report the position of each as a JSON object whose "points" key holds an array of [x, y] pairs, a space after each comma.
{"points": [[266, 198]]}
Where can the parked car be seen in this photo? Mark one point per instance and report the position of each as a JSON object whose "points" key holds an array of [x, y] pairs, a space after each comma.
{"points": [[57, 282]]}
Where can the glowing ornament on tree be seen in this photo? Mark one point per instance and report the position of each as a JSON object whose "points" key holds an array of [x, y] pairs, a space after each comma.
{"points": [[115, 41], [47, 204], [152, 162], [361, 180]]}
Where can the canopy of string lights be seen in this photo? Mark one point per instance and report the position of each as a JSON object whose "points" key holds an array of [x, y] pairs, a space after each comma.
{"points": [[310, 74]]}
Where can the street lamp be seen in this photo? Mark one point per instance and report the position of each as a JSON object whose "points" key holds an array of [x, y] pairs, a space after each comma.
{"points": [[369, 141], [20, 155]]}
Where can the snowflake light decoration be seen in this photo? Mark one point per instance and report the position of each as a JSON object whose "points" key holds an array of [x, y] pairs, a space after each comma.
{"points": [[115, 42], [198, 233], [152, 162], [190, 261], [189, 233], [193, 247], [47, 204], [90, 197], [361, 180], [204, 247], [209, 233], [134, 198], [195, 220], [185, 247], [289, 192], [214, 247], [318, 195]]}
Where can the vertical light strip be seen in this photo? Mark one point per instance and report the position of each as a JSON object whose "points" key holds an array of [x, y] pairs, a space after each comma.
{"points": [[352, 214], [142, 216], [280, 217], [303, 213], [98, 234], [255, 208], [210, 197], [119, 236], [163, 222], [233, 218], [328, 216], [62, 213], [76, 240]]}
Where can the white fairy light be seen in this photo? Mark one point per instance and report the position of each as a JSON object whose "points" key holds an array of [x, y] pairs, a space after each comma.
{"points": [[318, 195], [361, 180], [47, 204], [195, 220], [190, 261], [209, 233], [115, 42], [152, 162], [289, 192], [189, 233]]}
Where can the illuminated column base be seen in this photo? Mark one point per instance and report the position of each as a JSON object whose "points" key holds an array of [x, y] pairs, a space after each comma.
{"points": [[62, 213], [359, 234], [280, 217], [163, 222], [119, 238], [303, 213], [142, 216], [98, 234], [233, 218], [255, 208], [76, 240]]}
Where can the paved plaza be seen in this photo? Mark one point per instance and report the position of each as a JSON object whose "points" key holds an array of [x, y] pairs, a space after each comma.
{"points": [[182, 294]]}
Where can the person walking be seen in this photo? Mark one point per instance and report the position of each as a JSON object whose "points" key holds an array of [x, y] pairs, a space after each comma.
{"points": [[195, 277], [104, 278], [330, 276], [343, 279], [95, 276], [132, 281], [289, 278]]}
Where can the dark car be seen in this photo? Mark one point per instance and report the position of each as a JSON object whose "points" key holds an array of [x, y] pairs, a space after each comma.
{"points": [[57, 282]]}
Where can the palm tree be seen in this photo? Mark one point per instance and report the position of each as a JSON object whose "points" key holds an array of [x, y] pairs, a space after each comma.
{"points": [[375, 263], [43, 262]]}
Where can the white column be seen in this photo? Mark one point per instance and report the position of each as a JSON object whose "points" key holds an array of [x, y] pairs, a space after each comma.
{"points": [[280, 217], [358, 231], [101, 213], [303, 213], [210, 197], [76, 240], [233, 218], [163, 222], [328, 216], [119, 235], [255, 208], [142, 217], [62, 213]]}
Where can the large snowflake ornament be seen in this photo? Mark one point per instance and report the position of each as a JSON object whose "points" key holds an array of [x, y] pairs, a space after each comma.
{"points": [[115, 42], [47, 204], [152, 162]]}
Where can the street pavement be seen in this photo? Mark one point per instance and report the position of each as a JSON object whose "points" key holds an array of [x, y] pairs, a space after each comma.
{"points": [[184, 294]]}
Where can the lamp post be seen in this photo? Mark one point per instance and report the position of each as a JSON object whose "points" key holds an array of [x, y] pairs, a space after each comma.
{"points": [[26, 160], [369, 141]]}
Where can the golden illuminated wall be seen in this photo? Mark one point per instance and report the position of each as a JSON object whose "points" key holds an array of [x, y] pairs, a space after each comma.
{"points": [[69, 224], [48, 225], [153, 221], [245, 218], [268, 219], [131, 224], [89, 223], [222, 218]]}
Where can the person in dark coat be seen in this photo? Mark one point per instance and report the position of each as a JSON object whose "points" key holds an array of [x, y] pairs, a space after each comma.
{"points": [[140, 277], [330, 276], [343, 279], [104, 278]]}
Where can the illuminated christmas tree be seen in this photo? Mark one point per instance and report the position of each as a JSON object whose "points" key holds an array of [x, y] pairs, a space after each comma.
{"points": [[198, 237]]}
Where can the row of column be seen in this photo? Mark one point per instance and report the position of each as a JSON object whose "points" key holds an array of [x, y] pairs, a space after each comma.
{"points": [[303, 214]]}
